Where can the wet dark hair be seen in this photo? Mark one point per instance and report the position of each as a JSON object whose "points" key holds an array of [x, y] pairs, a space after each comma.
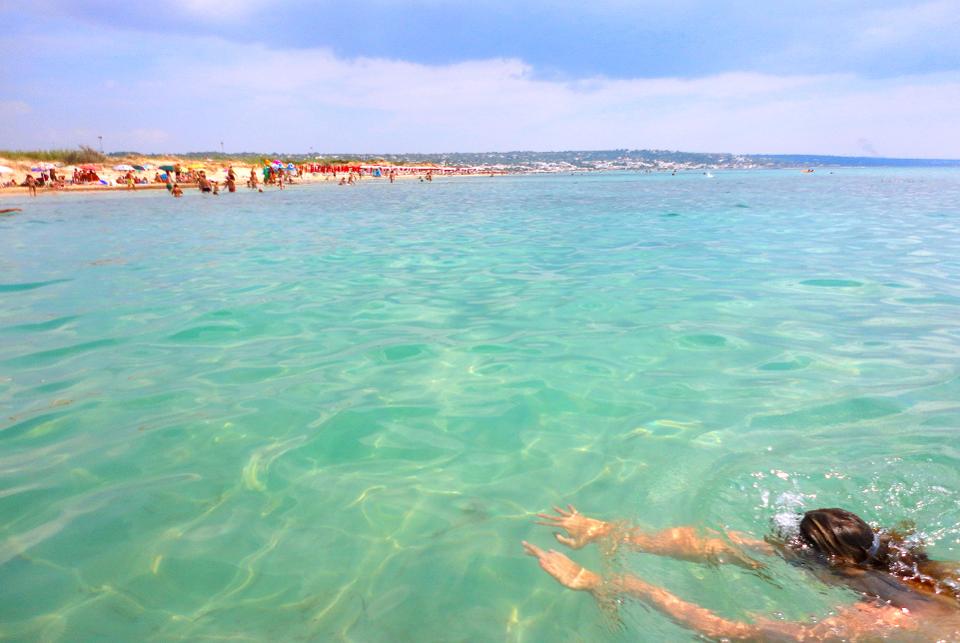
{"points": [[840, 535], [843, 539]]}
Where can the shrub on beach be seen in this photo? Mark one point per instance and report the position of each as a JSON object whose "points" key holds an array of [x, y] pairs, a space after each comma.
{"points": [[85, 154]]}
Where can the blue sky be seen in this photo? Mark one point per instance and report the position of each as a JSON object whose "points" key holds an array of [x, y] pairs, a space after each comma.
{"points": [[840, 77]]}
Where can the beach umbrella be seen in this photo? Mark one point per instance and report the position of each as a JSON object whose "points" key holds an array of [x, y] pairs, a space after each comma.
{"points": [[123, 167], [43, 165], [89, 168], [5, 170], [167, 168], [139, 168]]}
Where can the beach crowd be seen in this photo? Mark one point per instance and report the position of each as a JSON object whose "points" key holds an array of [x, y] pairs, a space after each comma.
{"points": [[176, 176]]}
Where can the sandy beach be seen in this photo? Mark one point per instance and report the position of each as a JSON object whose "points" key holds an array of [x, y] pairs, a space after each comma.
{"points": [[111, 179]]}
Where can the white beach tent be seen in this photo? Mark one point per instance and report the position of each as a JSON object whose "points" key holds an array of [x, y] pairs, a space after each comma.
{"points": [[123, 167], [6, 170]]}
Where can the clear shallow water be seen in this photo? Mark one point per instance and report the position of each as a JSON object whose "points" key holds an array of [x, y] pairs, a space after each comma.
{"points": [[330, 413]]}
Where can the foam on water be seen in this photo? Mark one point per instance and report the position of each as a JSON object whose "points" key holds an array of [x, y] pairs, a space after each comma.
{"points": [[332, 412]]}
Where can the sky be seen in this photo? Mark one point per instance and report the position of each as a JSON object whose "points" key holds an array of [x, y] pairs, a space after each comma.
{"points": [[845, 77]]}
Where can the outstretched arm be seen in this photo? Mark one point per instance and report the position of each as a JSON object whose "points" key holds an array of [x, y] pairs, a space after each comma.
{"points": [[571, 575], [854, 622], [683, 543]]}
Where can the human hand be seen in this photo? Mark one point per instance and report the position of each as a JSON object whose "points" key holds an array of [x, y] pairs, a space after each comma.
{"points": [[564, 571], [580, 529]]}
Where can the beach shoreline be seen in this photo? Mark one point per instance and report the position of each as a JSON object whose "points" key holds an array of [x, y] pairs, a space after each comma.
{"points": [[114, 180], [46, 192]]}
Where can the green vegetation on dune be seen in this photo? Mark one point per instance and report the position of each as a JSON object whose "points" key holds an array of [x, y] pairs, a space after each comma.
{"points": [[87, 154], [84, 154]]}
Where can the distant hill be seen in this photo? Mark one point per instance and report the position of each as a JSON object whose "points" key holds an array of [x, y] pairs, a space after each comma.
{"points": [[647, 159], [795, 160], [638, 159], [524, 161], [592, 158]]}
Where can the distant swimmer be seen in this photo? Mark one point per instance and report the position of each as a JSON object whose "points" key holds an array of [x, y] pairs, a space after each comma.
{"points": [[902, 592], [176, 191], [10, 210]]}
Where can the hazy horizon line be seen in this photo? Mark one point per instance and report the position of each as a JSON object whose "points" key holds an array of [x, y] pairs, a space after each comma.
{"points": [[873, 158]]}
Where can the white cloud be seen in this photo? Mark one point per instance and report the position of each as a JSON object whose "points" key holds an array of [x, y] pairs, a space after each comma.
{"points": [[916, 24], [197, 92], [372, 104], [220, 10]]}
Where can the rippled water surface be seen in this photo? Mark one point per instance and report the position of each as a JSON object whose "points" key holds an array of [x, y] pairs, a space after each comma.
{"points": [[330, 413]]}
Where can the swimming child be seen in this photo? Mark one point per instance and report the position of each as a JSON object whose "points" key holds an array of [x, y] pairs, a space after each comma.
{"points": [[902, 592]]}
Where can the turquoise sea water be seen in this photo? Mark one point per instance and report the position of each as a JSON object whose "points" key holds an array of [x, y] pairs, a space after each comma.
{"points": [[331, 413]]}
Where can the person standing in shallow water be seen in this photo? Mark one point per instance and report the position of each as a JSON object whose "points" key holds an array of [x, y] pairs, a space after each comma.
{"points": [[903, 594]]}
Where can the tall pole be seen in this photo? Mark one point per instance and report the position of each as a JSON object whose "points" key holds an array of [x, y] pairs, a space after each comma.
{"points": [[221, 148], [101, 144]]}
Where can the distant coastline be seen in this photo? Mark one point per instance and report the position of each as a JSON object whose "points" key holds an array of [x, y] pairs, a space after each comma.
{"points": [[15, 165], [645, 159], [514, 160]]}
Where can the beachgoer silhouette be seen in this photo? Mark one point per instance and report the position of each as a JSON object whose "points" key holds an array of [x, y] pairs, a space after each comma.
{"points": [[902, 591]]}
